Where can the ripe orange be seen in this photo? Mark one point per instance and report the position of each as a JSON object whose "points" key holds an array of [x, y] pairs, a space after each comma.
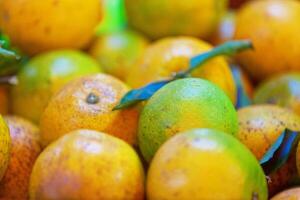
{"points": [[87, 103], [3, 100], [259, 127], [86, 164], [273, 27], [38, 26], [170, 55], [25, 149], [205, 164]]}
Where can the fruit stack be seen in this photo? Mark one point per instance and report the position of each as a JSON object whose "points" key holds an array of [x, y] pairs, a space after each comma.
{"points": [[149, 99]]}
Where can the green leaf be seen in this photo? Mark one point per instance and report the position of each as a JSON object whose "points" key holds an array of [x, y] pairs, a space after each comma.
{"points": [[144, 93], [243, 99], [134, 96], [279, 152], [227, 49]]}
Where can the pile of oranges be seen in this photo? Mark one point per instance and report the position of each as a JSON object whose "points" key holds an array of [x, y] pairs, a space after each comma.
{"points": [[226, 131]]}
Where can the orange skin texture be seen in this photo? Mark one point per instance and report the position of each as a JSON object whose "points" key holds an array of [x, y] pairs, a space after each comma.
{"points": [[25, 149], [36, 26], [87, 165], [273, 27], [78, 113], [290, 194], [203, 164], [3, 100], [160, 18], [259, 128], [170, 55]]}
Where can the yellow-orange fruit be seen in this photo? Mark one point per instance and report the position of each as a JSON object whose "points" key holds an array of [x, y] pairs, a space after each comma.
{"points": [[90, 165], [25, 149], [36, 26], [87, 103]]}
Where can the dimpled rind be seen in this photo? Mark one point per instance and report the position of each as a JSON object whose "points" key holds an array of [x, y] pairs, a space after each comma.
{"points": [[87, 164], [70, 109], [181, 105]]}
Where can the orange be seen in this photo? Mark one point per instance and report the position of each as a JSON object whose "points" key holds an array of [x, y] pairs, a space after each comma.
{"points": [[170, 55], [273, 27], [86, 164], [283, 90], [117, 52], [205, 164], [43, 76], [290, 194], [160, 18], [37, 26], [87, 103], [182, 105], [225, 29], [259, 127], [25, 149]]}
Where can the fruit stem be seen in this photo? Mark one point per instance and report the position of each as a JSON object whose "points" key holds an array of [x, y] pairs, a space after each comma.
{"points": [[227, 49]]}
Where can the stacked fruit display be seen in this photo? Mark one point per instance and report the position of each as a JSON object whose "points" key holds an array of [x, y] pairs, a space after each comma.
{"points": [[150, 99]]}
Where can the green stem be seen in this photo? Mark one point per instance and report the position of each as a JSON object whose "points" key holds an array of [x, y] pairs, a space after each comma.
{"points": [[227, 49]]}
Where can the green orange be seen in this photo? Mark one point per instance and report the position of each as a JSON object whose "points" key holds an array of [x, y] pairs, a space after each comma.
{"points": [[43, 76], [182, 105], [117, 52], [282, 90], [205, 164], [160, 18]]}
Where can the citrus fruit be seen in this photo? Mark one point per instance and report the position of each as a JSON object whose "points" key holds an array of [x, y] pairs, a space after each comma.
{"points": [[273, 27], [182, 105], [205, 164], [170, 55], [44, 75], [283, 90], [87, 103], [290, 194], [117, 52], [259, 127], [36, 26], [5, 146], [225, 29], [25, 149], [86, 164], [160, 18], [3, 100]]}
